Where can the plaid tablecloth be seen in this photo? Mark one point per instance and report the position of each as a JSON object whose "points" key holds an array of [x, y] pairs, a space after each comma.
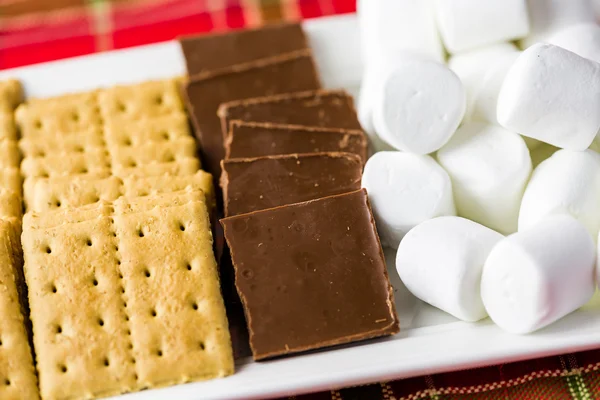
{"points": [[33, 31]]}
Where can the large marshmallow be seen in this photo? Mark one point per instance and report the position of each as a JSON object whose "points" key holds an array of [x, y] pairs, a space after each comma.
{"points": [[391, 26], [472, 66], [550, 16], [392, 30], [568, 182], [552, 95], [468, 24], [489, 168], [418, 106], [484, 103], [405, 190], [440, 262], [581, 39], [535, 277]]}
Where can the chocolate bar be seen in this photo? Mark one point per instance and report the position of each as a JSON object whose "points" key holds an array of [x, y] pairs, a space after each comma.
{"points": [[311, 275], [254, 184], [253, 139]]}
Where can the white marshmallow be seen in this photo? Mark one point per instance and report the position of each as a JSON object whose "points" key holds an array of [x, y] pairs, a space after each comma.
{"points": [[552, 95], [419, 105], [440, 262], [405, 190], [467, 24], [489, 168], [569, 183], [484, 103], [472, 66], [581, 39], [389, 30], [391, 26], [549, 16], [535, 277]]}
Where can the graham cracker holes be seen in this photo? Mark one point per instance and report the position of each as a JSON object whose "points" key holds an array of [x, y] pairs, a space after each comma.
{"points": [[106, 362], [48, 250], [202, 347], [195, 306], [147, 273], [59, 329], [63, 368], [7, 382], [100, 322], [153, 313], [159, 353]]}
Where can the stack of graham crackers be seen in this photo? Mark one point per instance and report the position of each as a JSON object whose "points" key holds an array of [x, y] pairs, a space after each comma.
{"points": [[290, 157], [121, 277], [17, 374]]}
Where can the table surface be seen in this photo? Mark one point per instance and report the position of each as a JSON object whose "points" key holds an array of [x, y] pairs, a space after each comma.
{"points": [[33, 31]]}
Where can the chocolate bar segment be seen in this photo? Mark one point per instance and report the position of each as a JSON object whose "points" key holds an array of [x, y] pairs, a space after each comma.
{"points": [[205, 92], [209, 52], [254, 184], [254, 139], [320, 108], [311, 275]]}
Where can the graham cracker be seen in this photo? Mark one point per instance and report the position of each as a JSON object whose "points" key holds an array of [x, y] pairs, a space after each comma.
{"points": [[9, 154], [144, 186], [68, 114], [56, 164], [181, 167], [83, 141], [58, 217], [11, 94], [139, 132], [177, 316], [64, 192], [8, 129], [30, 184], [152, 152], [81, 336], [17, 373], [144, 100], [10, 178]]}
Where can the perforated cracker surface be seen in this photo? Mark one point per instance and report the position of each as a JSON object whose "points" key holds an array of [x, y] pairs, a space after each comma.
{"points": [[80, 332], [139, 132], [65, 192], [152, 152], [83, 141], [91, 162], [69, 114], [144, 100], [177, 316], [184, 166]]}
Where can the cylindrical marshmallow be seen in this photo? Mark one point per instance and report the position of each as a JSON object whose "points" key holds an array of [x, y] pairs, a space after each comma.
{"points": [[405, 190], [581, 39], [468, 24], [550, 16], [472, 66], [440, 262], [489, 168], [418, 106], [484, 103], [391, 26], [568, 182], [535, 277], [552, 95]]}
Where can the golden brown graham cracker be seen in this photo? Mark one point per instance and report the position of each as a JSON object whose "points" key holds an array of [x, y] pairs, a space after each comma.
{"points": [[17, 373], [152, 152], [135, 133], [138, 101], [84, 141], [177, 316], [11, 94], [181, 167], [67, 114]]}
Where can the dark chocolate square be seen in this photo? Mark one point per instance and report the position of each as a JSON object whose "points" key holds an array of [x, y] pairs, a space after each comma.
{"points": [[252, 184], [209, 52], [256, 139], [320, 108], [205, 92], [311, 275]]}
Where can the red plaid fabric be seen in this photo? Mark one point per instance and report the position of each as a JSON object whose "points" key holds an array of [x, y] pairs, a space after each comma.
{"points": [[33, 31]]}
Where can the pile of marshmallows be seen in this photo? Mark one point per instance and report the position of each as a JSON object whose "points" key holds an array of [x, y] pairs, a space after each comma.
{"points": [[481, 228]]}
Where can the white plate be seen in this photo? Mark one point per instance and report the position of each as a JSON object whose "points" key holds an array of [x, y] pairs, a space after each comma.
{"points": [[431, 341]]}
